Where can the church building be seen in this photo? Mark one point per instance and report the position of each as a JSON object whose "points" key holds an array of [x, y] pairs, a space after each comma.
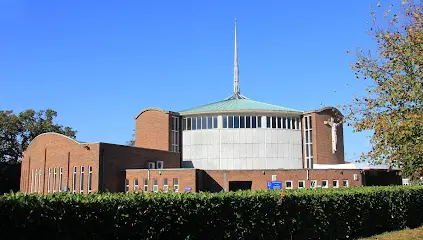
{"points": [[236, 143]]}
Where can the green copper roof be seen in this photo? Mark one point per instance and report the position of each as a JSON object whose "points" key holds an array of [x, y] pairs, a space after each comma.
{"points": [[237, 105]]}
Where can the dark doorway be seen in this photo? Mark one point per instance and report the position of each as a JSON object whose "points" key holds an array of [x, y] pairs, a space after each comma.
{"points": [[240, 185]]}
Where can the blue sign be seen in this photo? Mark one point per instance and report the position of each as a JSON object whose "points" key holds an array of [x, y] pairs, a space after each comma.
{"points": [[274, 185], [187, 188]]}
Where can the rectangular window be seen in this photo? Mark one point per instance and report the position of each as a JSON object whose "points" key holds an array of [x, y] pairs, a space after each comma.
{"points": [[35, 180], [273, 177], [301, 184], [284, 122], [39, 180], [175, 134], [74, 180], [209, 122], [126, 185], [151, 165], [136, 187], [198, 123], [345, 183], [54, 179], [230, 121], [194, 123], [313, 183], [248, 122], [253, 122], [32, 180], [335, 183], [258, 121], [274, 122], [60, 179], [145, 184], [214, 121], [268, 122], [48, 180], [184, 124], [325, 183], [242, 122], [155, 185], [90, 178], [176, 184], [289, 121], [225, 121], [279, 122], [236, 122], [308, 142], [188, 123], [81, 180], [204, 123], [159, 164], [288, 184], [165, 185]]}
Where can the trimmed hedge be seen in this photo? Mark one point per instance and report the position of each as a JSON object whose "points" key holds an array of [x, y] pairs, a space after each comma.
{"points": [[300, 214]]}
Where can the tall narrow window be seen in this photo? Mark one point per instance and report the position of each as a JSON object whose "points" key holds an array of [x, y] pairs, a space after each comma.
{"points": [[74, 180], [258, 121], [204, 122], [214, 121], [230, 121], [308, 142], [209, 122], [175, 134], [136, 187], [48, 180], [35, 182], [188, 123], [236, 122], [165, 185], [176, 184], [90, 178], [39, 180], [54, 179], [81, 180], [155, 185], [273, 122], [145, 185], [126, 185], [284, 122], [279, 122], [194, 123], [160, 165], [225, 121], [242, 122], [184, 124], [268, 122], [253, 122], [32, 180], [60, 179], [198, 123], [248, 122]]}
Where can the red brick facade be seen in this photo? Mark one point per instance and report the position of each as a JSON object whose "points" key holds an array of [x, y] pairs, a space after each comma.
{"points": [[106, 162], [152, 129]]}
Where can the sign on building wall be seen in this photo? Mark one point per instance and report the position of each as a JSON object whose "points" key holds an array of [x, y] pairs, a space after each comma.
{"points": [[274, 185]]}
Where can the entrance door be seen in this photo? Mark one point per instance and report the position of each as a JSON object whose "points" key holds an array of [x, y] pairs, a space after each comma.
{"points": [[240, 185]]}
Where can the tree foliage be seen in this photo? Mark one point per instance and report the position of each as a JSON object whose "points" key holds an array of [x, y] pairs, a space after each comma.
{"points": [[392, 107], [18, 130]]}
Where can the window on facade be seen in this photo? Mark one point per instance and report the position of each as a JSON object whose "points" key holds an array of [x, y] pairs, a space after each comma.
{"points": [[279, 122], [204, 123], [301, 184], [145, 185], [175, 134], [236, 121], [289, 123], [54, 179], [230, 121], [35, 180], [165, 185], [242, 122], [184, 124], [60, 179], [259, 121], [284, 122], [298, 123], [194, 123], [81, 180], [268, 122], [344, 183], [176, 184], [90, 178], [48, 180], [188, 123], [313, 183], [274, 125], [248, 122], [136, 187], [39, 180], [151, 165], [214, 121], [253, 122], [159, 164], [74, 180], [308, 143], [335, 183], [198, 123], [155, 185], [273, 177], [209, 122], [126, 185], [225, 121], [288, 184], [325, 184]]}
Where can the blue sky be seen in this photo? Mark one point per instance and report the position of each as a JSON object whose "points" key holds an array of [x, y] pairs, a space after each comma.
{"points": [[98, 63]]}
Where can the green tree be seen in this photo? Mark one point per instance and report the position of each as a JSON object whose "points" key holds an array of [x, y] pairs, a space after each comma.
{"points": [[132, 141], [392, 108], [17, 131]]}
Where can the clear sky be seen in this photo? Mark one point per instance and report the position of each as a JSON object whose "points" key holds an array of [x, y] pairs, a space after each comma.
{"points": [[98, 63]]}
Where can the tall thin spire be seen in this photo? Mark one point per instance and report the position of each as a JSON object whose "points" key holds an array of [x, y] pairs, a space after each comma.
{"points": [[237, 92], [236, 71]]}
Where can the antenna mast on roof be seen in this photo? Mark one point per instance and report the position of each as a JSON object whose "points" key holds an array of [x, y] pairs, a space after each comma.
{"points": [[237, 92]]}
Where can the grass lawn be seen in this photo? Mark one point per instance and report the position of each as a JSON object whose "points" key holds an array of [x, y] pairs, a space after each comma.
{"points": [[416, 233]]}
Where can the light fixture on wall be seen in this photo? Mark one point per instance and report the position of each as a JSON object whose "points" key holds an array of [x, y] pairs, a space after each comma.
{"points": [[160, 172], [263, 172], [87, 147]]}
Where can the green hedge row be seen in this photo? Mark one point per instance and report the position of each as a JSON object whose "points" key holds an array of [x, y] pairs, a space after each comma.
{"points": [[300, 214]]}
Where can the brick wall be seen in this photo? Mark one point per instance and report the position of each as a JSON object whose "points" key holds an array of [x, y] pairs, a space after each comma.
{"points": [[186, 178], [56, 151], [152, 129], [116, 158]]}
